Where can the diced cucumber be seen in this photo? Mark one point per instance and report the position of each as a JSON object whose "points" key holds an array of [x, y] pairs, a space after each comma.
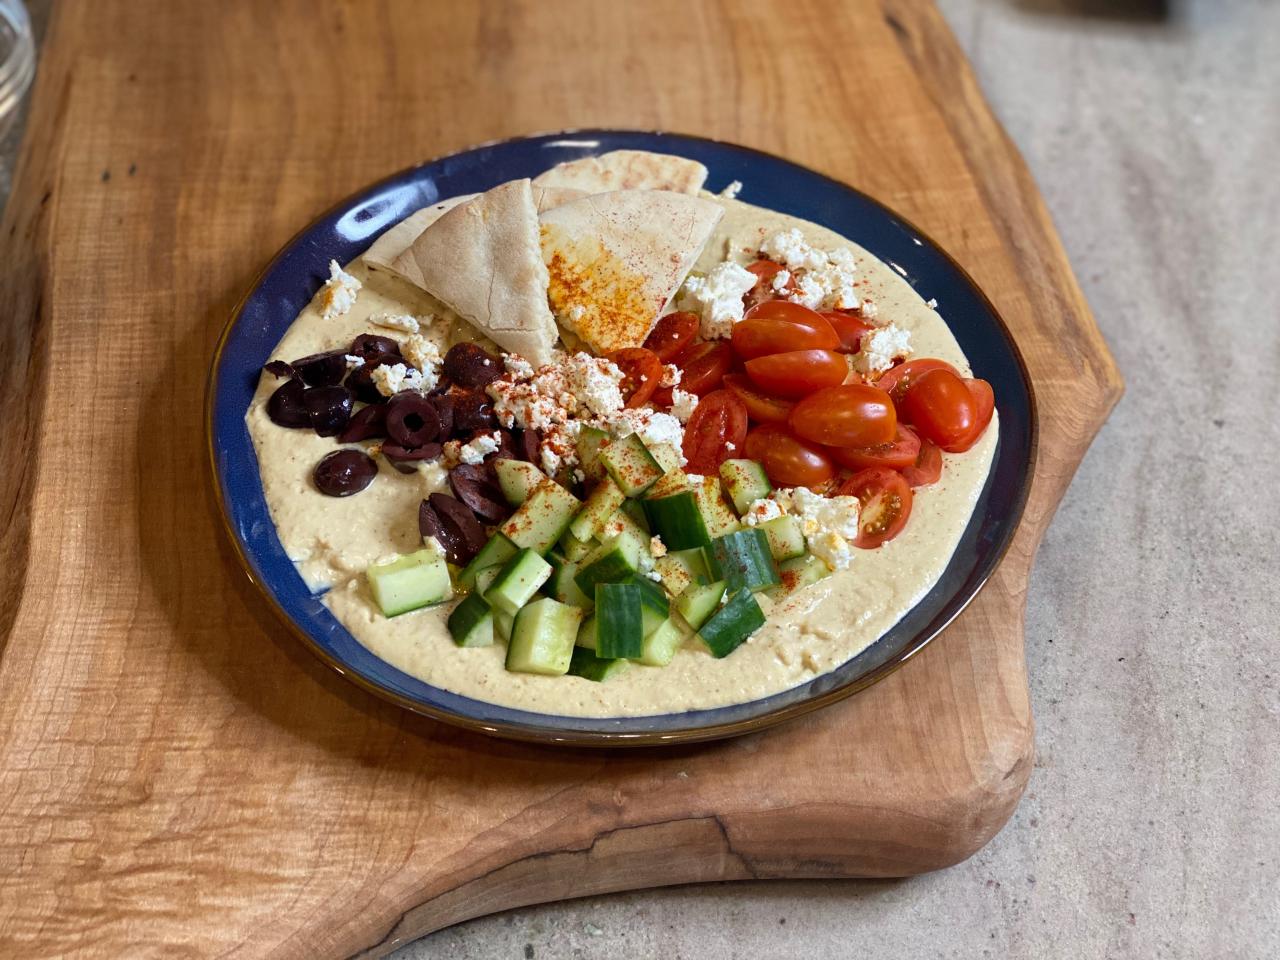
{"points": [[678, 520], [587, 665], [631, 464], [575, 549], [561, 585], [745, 483], [587, 632], [654, 606], [601, 504], [494, 553], [796, 574], [742, 559], [635, 510], [661, 645], [542, 518], [411, 582], [619, 620], [716, 514], [517, 582], [502, 623], [785, 536], [673, 481], [732, 624], [676, 577], [542, 637], [698, 603], [517, 478], [590, 440], [471, 622], [622, 525], [617, 558], [668, 457], [485, 578]]}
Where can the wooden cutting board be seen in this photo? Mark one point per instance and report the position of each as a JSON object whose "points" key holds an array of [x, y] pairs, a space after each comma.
{"points": [[175, 770]]}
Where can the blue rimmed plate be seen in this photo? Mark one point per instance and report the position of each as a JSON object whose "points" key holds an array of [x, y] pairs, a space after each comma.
{"points": [[293, 277]]}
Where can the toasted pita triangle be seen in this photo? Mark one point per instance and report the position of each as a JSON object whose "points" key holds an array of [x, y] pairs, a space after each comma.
{"points": [[616, 259], [482, 260], [394, 241], [627, 170]]}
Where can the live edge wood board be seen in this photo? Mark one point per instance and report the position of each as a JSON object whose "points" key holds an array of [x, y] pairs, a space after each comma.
{"points": [[177, 774]]}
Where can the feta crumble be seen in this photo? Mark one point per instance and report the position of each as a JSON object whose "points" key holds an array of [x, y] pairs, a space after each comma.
{"points": [[717, 297], [394, 378], [657, 547], [732, 190], [683, 403], [824, 279], [653, 427], [761, 511], [595, 382], [339, 293], [396, 321], [880, 348], [792, 250], [868, 310], [828, 523], [931, 303], [780, 281], [353, 362], [518, 366], [671, 375], [476, 450], [421, 352]]}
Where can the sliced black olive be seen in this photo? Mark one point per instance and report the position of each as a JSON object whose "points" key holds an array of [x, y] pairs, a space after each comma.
{"points": [[370, 346], [471, 411], [286, 408], [329, 409], [278, 369], [367, 423], [472, 484], [455, 526], [344, 472], [400, 454], [412, 420], [469, 365], [322, 369]]}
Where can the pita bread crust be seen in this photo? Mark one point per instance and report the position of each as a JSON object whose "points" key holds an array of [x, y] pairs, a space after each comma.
{"points": [[616, 259], [546, 197], [627, 170], [482, 260]]}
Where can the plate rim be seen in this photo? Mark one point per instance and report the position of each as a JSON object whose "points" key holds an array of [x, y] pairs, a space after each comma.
{"points": [[606, 739]]}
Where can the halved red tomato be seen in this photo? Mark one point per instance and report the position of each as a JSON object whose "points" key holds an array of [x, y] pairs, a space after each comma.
{"points": [[895, 380], [797, 373], [984, 403], [765, 271], [850, 415], [642, 373], [719, 420], [886, 504], [927, 467], [848, 328], [792, 313], [703, 366], [760, 407], [761, 336], [787, 460], [939, 405], [902, 453], [673, 333]]}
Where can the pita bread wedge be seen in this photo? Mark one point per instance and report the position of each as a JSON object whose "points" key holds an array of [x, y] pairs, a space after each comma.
{"points": [[627, 170], [546, 197], [384, 251], [616, 259], [482, 260]]}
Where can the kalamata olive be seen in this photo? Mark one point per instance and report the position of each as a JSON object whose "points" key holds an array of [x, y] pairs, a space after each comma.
{"points": [[344, 472], [322, 369], [328, 409], [401, 454], [369, 346], [528, 445], [286, 408], [469, 365], [506, 445], [473, 485], [367, 423], [278, 369], [457, 529], [360, 383], [444, 413], [471, 411], [412, 420]]}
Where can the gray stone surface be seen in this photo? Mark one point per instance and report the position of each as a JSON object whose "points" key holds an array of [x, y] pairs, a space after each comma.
{"points": [[1151, 827]]}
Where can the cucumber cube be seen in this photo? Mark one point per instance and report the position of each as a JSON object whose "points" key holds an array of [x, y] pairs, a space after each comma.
{"points": [[471, 623], [587, 632], [697, 604], [661, 645], [618, 558], [619, 623], [517, 478], [517, 582], [587, 665], [543, 518], [542, 638], [631, 465], [745, 483], [562, 585], [678, 519], [796, 574], [494, 553], [732, 624], [601, 504], [590, 440], [410, 582], [785, 536], [742, 559]]}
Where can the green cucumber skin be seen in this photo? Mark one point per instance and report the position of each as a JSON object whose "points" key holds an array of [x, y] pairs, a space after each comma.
{"points": [[678, 520], [785, 536], [632, 467], [494, 553], [542, 638], [745, 482], [408, 583], [614, 560], [698, 603], [743, 559], [619, 627], [730, 626], [587, 665], [543, 518], [600, 505], [471, 622]]}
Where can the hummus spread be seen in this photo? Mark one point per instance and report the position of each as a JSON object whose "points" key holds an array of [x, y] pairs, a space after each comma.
{"points": [[332, 540]]}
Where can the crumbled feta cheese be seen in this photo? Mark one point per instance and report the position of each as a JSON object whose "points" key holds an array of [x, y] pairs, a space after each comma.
{"points": [[477, 449], [837, 284], [394, 378], [732, 190], [731, 446], [828, 523], [559, 446], [653, 575], [434, 545], [880, 348], [579, 476], [780, 281], [595, 382], [717, 297], [694, 478], [339, 293], [832, 549], [396, 321], [761, 511], [808, 292], [353, 362], [791, 249], [657, 547], [518, 366], [653, 427], [671, 375], [931, 303], [421, 352], [869, 310], [825, 278], [452, 452], [683, 403]]}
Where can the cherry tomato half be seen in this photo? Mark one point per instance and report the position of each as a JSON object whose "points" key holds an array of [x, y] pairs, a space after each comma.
{"points": [[902, 453], [927, 467], [984, 402], [787, 460], [848, 328], [719, 420], [895, 380], [761, 336], [792, 313], [760, 407], [797, 373], [704, 365], [765, 271], [851, 415], [673, 333], [642, 373], [939, 405], [886, 505]]}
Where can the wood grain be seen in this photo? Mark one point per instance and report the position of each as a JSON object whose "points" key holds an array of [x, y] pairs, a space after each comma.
{"points": [[176, 773]]}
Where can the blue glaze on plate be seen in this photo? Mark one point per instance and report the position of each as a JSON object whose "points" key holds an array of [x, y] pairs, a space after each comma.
{"points": [[342, 234]]}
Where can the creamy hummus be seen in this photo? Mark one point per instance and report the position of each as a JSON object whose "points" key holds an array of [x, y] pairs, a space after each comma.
{"points": [[333, 540]]}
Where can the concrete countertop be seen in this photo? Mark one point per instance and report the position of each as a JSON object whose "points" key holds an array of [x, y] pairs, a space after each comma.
{"points": [[1151, 827]]}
